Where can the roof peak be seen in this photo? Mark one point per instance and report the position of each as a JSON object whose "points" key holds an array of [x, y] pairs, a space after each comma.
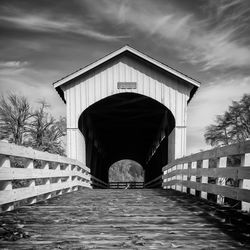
{"points": [[115, 53]]}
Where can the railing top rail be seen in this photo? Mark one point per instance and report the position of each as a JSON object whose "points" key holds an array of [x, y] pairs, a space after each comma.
{"points": [[234, 149], [98, 180], [126, 182], [11, 149], [154, 180]]}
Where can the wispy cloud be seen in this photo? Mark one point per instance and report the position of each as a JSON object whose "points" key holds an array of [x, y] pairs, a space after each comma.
{"points": [[13, 64], [12, 68], [193, 38], [211, 100], [43, 23]]}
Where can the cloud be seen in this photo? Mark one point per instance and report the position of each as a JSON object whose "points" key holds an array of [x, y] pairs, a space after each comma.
{"points": [[218, 39], [13, 64], [12, 68], [32, 84], [43, 23], [211, 41], [211, 100]]}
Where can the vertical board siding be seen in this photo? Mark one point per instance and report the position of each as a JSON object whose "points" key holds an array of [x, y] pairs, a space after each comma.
{"points": [[78, 97], [102, 83]]}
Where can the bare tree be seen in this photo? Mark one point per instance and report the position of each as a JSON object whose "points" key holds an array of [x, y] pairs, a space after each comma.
{"points": [[14, 118], [46, 132]]}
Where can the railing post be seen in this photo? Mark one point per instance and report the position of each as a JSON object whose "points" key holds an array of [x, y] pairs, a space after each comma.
{"points": [[59, 180], [179, 177], [29, 163], [245, 184], [193, 177], [6, 185], [173, 177], [5, 163], [69, 180], [204, 179], [221, 181], [45, 166], [184, 177], [164, 180]]}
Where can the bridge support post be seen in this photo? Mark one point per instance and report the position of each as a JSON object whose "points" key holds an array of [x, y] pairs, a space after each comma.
{"points": [[76, 145], [245, 184], [193, 177], [177, 143], [222, 163], [204, 179]]}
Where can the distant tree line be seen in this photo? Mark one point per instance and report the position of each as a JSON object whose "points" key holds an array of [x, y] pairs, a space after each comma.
{"points": [[126, 170], [22, 125], [231, 127]]}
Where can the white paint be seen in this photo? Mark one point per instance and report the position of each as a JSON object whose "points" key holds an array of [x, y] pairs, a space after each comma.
{"points": [[222, 163], [102, 83], [133, 51], [78, 176], [179, 177], [184, 178], [204, 179], [193, 177], [245, 184]]}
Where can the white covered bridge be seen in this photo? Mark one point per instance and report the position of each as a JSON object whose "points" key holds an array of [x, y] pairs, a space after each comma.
{"points": [[126, 106]]}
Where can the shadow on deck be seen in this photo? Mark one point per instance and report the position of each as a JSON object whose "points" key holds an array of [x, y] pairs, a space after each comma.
{"points": [[125, 219]]}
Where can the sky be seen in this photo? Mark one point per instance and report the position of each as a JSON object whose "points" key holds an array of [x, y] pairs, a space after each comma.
{"points": [[209, 40]]}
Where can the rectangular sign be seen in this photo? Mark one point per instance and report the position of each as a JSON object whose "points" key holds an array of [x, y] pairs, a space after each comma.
{"points": [[126, 85]]}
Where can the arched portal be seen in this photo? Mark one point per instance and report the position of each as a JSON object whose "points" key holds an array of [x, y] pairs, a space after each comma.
{"points": [[126, 171], [126, 126], [126, 105]]}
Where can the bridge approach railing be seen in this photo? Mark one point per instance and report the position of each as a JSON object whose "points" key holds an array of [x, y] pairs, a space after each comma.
{"points": [[155, 183], [97, 183], [126, 185], [30, 175], [221, 174]]}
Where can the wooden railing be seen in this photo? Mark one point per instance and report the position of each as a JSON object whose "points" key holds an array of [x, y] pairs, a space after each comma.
{"points": [[97, 183], [126, 185], [30, 175], [155, 183], [211, 175]]}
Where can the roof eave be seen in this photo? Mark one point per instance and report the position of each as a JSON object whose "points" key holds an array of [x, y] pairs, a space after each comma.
{"points": [[118, 52]]}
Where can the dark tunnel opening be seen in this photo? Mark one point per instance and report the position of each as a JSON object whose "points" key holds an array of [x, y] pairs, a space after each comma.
{"points": [[126, 126]]}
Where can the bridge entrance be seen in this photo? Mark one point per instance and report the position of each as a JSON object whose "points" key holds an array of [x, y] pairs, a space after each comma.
{"points": [[126, 126], [126, 105]]}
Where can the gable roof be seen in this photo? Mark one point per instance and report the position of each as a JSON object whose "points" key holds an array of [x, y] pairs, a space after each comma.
{"points": [[116, 53]]}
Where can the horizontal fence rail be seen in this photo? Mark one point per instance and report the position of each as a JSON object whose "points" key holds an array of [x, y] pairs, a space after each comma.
{"points": [[126, 185], [155, 183], [221, 174], [97, 183], [30, 175]]}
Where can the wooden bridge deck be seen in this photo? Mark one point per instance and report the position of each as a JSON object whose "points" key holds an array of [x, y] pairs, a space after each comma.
{"points": [[121, 219]]}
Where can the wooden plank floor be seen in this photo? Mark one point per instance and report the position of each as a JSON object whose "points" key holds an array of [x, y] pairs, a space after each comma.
{"points": [[121, 219]]}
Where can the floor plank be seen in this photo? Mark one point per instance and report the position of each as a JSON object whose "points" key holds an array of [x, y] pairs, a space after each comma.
{"points": [[125, 219]]}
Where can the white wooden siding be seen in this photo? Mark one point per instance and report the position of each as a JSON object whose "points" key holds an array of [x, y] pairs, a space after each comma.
{"points": [[102, 83]]}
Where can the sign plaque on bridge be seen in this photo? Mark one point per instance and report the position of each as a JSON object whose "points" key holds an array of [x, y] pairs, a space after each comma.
{"points": [[126, 85]]}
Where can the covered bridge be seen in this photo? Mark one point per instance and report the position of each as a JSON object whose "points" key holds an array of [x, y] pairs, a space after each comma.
{"points": [[126, 105]]}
